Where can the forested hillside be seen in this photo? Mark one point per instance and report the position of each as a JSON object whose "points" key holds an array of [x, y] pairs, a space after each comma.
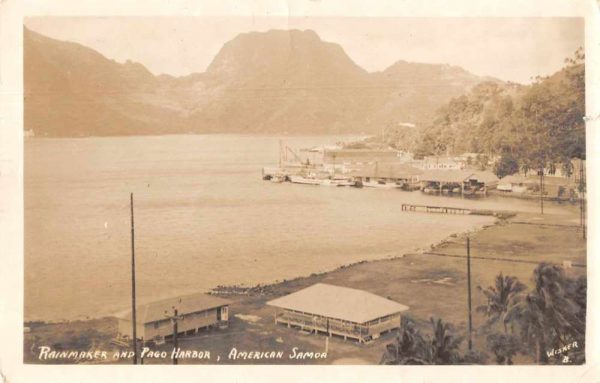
{"points": [[533, 126]]}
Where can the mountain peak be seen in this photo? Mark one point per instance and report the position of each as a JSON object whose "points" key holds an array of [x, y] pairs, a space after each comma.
{"points": [[267, 82], [291, 52]]}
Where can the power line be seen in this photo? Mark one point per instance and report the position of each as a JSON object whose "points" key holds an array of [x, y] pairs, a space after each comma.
{"points": [[493, 259]]}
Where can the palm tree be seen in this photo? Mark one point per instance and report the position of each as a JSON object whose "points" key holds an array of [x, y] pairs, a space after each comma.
{"points": [[504, 347], [501, 298], [552, 314], [444, 345], [409, 348]]}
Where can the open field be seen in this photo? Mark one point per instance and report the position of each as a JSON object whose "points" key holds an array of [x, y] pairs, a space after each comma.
{"points": [[432, 284]]}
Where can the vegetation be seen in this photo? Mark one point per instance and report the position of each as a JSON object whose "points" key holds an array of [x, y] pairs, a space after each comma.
{"points": [[501, 299], [553, 314], [412, 347], [530, 127], [550, 316], [507, 165]]}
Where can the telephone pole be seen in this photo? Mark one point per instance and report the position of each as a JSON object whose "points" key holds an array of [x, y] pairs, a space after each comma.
{"points": [[582, 197], [469, 290], [133, 317], [542, 190], [175, 318]]}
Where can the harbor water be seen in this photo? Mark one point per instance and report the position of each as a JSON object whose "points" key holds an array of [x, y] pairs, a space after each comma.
{"points": [[203, 217]]}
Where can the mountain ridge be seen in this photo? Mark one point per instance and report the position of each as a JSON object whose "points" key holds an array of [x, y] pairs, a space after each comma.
{"points": [[279, 81]]}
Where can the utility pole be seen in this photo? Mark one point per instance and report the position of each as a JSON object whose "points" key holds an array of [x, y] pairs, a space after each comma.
{"points": [[280, 154], [542, 190], [133, 317], [333, 172], [175, 318], [175, 331], [469, 291], [582, 197]]}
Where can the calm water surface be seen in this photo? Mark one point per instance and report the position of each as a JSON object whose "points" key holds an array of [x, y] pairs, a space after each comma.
{"points": [[203, 217]]}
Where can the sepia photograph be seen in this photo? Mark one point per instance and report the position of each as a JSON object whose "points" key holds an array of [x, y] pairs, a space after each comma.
{"points": [[258, 189]]}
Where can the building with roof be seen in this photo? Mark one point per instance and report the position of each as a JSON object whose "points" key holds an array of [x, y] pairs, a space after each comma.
{"points": [[442, 163], [387, 172], [554, 187], [341, 311], [459, 181], [347, 159], [196, 312], [515, 183]]}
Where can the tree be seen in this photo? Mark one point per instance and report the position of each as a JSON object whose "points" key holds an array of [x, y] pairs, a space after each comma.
{"points": [[444, 344], [553, 314], [501, 298], [504, 347], [410, 347], [507, 165], [539, 124], [482, 161]]}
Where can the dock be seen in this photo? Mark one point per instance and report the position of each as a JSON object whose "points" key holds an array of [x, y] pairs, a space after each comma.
{"points": [[435, 209], [455, 210]]}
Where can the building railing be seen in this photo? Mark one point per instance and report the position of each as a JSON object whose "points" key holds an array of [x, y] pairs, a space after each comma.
{"points": [[337, 326]]}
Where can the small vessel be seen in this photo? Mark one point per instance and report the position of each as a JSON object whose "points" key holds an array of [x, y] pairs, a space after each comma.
{"points": [[278, 178], [306, 180], [328, 182], [382, 184], [337, 181]]}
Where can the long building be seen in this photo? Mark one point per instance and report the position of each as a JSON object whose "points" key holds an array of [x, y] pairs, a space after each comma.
{"points": [[196, 312], [341, 311], [463, 180], [387, 172]]}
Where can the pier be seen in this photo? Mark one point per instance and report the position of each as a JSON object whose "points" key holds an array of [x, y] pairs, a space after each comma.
{"points": [[436, 209], [455, 210]]}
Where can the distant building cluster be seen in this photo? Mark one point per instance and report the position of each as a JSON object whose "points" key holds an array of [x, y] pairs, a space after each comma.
{"points": [[391, 168]]}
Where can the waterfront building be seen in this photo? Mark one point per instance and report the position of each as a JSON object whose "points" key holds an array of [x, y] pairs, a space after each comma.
{"points": [[458, 181], [516, 183], [387, 172], [195, 312], [554, 187], [345, 160], [442, 163], [341, 311]]}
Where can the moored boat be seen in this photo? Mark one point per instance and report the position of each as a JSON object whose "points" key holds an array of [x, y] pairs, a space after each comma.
{"points": [[382, 184], [278, 178], [297, 179]]}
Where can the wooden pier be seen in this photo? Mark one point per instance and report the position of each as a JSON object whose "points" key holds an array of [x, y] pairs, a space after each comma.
{"points": [[456, 210], [436, 209]]}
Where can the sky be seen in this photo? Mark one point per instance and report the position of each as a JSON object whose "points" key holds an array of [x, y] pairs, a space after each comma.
{"points": [[511, 49]]}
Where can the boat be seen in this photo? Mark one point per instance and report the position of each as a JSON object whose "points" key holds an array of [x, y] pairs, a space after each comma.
{"points": [[381, 184], [328, 182], [297, 179], [278, 178], [338, 181]]}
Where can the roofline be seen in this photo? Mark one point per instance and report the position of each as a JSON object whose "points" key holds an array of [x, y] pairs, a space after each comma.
{"points": [[127, 315], [405, 308]]}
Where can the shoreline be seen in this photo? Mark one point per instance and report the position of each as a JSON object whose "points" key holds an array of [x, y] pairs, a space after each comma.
{"points": [[263, 288]]}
